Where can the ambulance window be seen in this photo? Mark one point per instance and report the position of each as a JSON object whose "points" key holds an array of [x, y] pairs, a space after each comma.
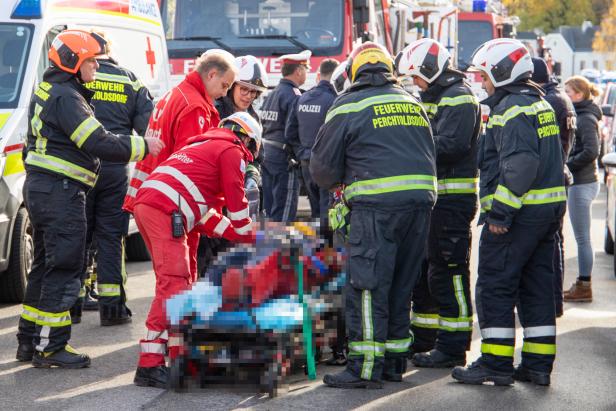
{"points": [[15, 40]]}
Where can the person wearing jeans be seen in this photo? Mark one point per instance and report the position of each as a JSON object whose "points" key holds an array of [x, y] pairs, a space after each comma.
{"points": [[583, 165]]}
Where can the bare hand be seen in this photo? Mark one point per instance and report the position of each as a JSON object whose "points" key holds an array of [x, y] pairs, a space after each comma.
{"points": [[497, 229], [155, 145]]}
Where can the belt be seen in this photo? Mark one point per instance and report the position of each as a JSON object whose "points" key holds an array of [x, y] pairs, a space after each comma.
{"points": [[276, 144]]}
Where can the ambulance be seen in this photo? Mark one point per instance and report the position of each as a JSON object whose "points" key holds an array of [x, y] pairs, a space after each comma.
{"points": [[27, 28]]}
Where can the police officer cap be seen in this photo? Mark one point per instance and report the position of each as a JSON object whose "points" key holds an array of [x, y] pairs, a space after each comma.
{"points": [[299, 58]]}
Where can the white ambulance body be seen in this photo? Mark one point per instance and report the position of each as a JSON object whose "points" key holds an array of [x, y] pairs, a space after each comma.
{"points": [[27, 28]]}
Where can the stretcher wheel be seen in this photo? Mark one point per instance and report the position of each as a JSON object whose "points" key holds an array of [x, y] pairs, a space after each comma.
{"points": [[177, 374]]}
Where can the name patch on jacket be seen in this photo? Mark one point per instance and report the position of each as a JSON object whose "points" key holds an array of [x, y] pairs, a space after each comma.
{"points": [[398, 114], [309, 108], [269, 115], [108, 91], [548, 128]]}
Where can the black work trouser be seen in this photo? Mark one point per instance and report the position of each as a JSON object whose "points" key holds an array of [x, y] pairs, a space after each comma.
{"points": [[442, 308], [319, 198], [516, 267], [385, 252], [559, 267], [107, 226], [56, 207]]}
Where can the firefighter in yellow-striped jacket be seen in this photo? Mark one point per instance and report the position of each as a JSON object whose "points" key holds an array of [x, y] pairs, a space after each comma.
{"points": [[61, 157]]}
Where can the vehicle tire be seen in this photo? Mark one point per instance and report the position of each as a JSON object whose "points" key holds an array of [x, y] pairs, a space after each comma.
{"points": [[608, 242], [135, 248], [13, 282]]}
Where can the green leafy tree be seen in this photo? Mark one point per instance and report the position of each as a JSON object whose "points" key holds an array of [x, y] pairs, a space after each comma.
{"points": [[548, 15], [605, 38]]}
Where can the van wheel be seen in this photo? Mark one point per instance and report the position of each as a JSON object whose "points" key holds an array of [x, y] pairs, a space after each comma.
{"points": [[136, 249], [13, 281], [608, 242]]}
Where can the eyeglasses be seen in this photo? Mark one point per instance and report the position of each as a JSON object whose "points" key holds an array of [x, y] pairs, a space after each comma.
{"points": [[245, 91]]}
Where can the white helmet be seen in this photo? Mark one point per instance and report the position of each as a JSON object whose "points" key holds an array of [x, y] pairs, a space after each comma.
{"points": [[252, 74], [248, 125], [503, 60], [425, 58], [340, 78]]}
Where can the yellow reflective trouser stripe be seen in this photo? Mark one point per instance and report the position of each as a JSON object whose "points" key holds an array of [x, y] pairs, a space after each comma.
{"points": [[60, 166], [29, 313], [454, 324], [538, 348], [53, 319], [497, 349], [425, 320], [457, 186], [512, 112], [108, 290], [365, 103], [136, 85], [398, 345], [368, 332], [84, 130], [137, 148], [390, 184]]}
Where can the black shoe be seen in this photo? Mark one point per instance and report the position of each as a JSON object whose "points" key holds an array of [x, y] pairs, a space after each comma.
{"points": [[116, 314], [418, 348], [64, 358], [90, 303], [394, 369], [477, 374], [24, 352], [437, 359], [521, 373], [152, 377], [338, 359], [345, 379]]}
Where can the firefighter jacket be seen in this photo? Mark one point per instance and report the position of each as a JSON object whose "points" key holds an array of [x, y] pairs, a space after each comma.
{"points": [[199, 180], [308, 115], [185, 111], [64, 137], [121, 103], [455, 116], [377, 142], [274, 114], [520, 159], [565, 115]]}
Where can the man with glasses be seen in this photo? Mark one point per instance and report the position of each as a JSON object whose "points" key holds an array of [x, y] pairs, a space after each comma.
{"points": [[280, 165]]}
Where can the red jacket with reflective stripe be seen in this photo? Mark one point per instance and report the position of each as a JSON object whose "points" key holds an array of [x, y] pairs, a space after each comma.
{"points": [[185, 111], [199, 180]]}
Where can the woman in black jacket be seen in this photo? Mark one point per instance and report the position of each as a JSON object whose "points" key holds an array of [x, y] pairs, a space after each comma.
{"points": [[582, 163]]}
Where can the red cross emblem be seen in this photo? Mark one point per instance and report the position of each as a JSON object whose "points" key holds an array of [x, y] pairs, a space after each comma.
{"points": [[150, 57]]}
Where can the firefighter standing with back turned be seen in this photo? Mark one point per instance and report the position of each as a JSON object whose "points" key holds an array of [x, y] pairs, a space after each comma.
{"points": [[442, 305], [122, 104], [61, 160], [377, 142], [522, 191]]}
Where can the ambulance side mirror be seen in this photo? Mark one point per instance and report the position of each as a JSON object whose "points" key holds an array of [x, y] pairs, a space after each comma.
{"points": [[609, 160]]}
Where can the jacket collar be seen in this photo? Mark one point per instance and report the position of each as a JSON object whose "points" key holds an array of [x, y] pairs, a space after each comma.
{"points": [[55, 75], [522, 87], [194, 79], [326, 85], [447, 79]]}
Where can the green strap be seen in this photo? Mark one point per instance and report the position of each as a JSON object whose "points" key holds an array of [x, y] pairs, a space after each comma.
{"points": [[307, 321]]}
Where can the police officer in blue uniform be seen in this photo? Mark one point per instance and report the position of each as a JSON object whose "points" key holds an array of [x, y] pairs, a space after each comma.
{"points": [[280, 170], [122, 104], [304, 123]]}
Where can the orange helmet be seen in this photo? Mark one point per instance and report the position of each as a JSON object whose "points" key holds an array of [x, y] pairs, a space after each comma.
{"points": [[72, 47]]}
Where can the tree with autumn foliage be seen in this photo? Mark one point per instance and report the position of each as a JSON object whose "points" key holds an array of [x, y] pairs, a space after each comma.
{"points": [[548, 15], [605, 38]]}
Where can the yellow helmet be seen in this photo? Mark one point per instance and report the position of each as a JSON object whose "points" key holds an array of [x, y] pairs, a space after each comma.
{"points": [[369, 55]]}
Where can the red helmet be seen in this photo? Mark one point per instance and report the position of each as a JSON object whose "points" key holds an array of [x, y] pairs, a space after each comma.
{"points": [[72, 47]]}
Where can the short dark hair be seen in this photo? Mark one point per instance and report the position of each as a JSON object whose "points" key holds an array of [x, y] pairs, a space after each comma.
{"points": [[288, 69], [327, 68]]}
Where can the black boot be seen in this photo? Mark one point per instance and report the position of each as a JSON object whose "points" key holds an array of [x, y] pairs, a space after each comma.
{"points": [[394, 369], [76, 311], [64, 358], [477, 374], [115, 314], [345, 379], [152, 377], [438, 359], [24, 352], [521, 373], [417, 348], [90, 302]]}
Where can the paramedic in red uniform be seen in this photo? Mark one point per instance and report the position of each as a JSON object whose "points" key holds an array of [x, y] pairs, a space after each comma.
{"points": [[192, 185], [186, 111]]}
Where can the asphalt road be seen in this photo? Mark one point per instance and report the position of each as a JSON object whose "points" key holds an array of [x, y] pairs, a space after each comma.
{"points": [[583, 378]]}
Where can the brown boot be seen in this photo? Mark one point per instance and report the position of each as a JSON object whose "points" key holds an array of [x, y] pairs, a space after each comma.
{"points": [[580, 292]]}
